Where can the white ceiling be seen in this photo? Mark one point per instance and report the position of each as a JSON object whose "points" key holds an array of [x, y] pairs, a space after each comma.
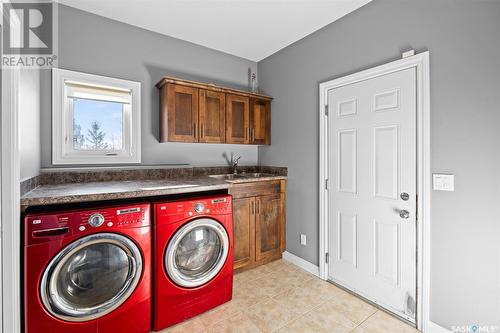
{"points": [[252, 29]]}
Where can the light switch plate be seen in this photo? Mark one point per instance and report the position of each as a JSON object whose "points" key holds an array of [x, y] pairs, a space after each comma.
{"points": [[443, 182], [303, 239]]}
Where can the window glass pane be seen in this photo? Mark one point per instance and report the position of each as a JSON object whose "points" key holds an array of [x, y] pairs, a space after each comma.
{"points": [[97, 125]]}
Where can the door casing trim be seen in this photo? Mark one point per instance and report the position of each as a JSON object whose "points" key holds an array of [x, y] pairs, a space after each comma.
{"points": [[421, 64]]}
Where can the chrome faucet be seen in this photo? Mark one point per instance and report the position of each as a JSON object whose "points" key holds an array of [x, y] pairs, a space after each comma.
{"points": [[234, 163]]}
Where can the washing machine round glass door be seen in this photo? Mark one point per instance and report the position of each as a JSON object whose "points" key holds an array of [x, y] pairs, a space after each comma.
{"points": [[91, 277], [196, 252]]}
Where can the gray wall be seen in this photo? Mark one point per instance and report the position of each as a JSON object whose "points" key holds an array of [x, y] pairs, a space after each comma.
{"points": [[29, 120], [463, 39], [94, 44]]}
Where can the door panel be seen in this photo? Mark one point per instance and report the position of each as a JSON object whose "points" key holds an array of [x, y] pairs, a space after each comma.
{"points": [[372, 160], [212, 116], [386, 162], [267, 225], [347, 238], [237, 119], [182, 113], [244, 231], [347, 168], [260, 121]]}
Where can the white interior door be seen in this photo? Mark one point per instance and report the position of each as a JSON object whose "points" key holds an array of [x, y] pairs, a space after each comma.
{"points": [[372, 190]]}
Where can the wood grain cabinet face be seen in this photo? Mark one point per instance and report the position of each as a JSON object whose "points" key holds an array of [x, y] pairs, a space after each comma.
{"points": [[237, 119], [260, 121], [259, 222], [199, 112], [267, 226], [212, 115], [244, 231], [182, 109]]}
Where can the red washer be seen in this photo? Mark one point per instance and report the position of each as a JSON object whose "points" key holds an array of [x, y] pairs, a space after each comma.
{"points": [[88, 271], [193, 252]]}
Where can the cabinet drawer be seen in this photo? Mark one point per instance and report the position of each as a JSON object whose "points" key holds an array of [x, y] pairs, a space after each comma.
{"points": [[246, 190]]}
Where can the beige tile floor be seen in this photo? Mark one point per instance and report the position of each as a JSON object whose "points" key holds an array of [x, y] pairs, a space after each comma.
{"points": [[280, 297]]}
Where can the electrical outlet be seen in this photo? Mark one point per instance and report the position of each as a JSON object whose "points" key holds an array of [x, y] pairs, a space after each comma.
{"points": [[303, 239]]}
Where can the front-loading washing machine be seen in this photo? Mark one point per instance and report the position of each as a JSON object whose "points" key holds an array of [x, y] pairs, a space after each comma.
{"points": [[88, 271], [193, 251]]}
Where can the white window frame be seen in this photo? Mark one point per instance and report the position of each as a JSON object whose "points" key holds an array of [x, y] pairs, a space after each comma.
{"points": [[62, 120]]}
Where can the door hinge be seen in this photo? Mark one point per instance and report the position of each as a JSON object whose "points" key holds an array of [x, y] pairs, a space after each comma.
{"points": [[326, 184], [326, 110], [327, 257]]}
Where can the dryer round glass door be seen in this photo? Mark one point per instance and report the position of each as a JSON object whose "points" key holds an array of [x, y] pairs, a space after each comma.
{"points": [[91, 277], [196, 252]]}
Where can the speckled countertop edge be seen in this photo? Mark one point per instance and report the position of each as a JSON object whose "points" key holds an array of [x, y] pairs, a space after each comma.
{"points": [[112, 190], [49, 194]]}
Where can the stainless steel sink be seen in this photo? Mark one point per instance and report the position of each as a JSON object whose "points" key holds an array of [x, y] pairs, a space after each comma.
{"points": [[231, 176], [256, 175], [228, 176]]}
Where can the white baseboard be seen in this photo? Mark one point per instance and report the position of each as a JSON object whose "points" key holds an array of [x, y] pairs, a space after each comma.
{"points": [[304, 264], [435, 328]]}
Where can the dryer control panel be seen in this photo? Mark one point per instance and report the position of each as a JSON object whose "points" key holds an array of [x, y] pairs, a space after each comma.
{"points": [[213, 205]]}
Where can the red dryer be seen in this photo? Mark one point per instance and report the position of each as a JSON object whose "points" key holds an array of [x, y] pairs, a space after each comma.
{"points": [[88, 271], [193, 251]]}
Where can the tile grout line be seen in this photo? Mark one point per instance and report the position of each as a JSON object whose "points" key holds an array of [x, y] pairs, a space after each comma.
{"points": [[359, 325]]}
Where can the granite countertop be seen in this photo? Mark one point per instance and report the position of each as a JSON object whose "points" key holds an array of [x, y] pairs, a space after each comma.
{"points": [[49, 194]]}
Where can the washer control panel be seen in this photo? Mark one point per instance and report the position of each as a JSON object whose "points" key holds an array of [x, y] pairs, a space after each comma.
{"points": [[199, 207], [44, 227], [96, 220]]}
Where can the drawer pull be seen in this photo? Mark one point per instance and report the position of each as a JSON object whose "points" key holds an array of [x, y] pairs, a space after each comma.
{"points": [[50, 232]]}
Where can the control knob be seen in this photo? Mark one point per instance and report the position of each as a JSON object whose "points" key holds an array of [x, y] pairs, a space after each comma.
{"points": [[96, 220]]}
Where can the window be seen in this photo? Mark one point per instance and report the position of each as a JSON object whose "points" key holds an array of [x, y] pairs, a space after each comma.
{"points": [[95, 119]]}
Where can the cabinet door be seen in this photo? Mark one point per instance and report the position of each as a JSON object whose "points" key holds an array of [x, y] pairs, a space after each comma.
{"points": [[244, 232], [267, 226], [237, 119], [182, 103], [260, 121], [212, 116]]}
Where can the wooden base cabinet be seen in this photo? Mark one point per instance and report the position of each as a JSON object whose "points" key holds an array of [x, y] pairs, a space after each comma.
{"points": [[258, 223], [244, 230]]}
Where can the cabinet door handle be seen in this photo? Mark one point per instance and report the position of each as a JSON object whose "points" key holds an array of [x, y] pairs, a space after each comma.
{"points": [[194, 131], [252, 209], [202, 133], [258, 206], [253, 134]]}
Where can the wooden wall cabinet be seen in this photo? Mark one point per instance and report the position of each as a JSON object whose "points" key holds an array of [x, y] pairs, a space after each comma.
{"points": [[198, 112], [238, 119], [212, 116], [259, 222], [260, 121], [181, 116]]}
